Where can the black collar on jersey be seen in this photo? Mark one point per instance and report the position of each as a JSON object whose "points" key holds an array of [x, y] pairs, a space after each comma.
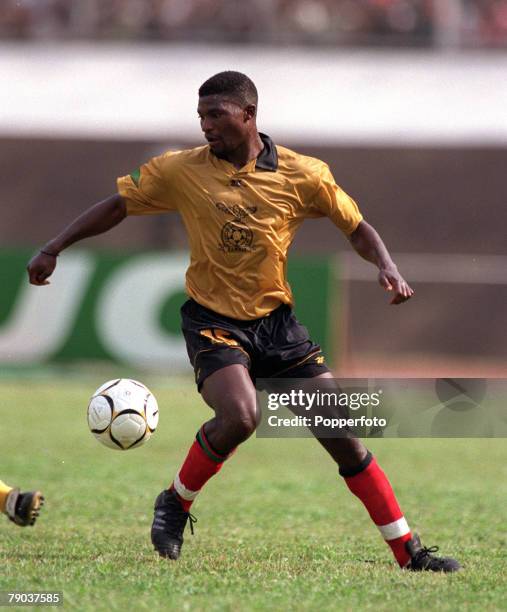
{"points": [[267, 158]]}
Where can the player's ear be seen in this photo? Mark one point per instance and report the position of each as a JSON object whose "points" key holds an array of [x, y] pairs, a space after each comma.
{"points": [[249, 112]]}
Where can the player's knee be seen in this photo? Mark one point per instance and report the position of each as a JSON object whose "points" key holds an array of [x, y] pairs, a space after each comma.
{"points": [[246, 424], [241, 420]]}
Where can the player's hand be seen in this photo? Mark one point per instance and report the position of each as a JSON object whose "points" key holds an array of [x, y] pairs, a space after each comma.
{"points": [[40, 268], [391, 280]]}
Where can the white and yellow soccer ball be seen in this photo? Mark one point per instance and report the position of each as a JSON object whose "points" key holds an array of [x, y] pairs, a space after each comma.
{"points": [[122, 414]]}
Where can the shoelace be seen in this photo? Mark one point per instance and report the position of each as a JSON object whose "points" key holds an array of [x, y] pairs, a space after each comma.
{"points": [[181, 517], [191, 520], [425, 552]]}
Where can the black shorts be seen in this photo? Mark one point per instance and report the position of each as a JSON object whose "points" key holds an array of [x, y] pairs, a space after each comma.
{"points": [[276, 345]]}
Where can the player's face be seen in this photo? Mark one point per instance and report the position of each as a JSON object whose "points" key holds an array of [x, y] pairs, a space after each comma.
{"points": [[225, 124]]}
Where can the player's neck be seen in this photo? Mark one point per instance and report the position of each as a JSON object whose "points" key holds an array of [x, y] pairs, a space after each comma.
{"points": [[247, 151]]}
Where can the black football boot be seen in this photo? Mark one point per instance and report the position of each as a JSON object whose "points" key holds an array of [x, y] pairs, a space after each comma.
{"points": [[423, 560], [169, 524]]}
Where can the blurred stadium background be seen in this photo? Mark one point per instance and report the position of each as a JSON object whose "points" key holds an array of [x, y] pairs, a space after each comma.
{"points": [[405, 99]]}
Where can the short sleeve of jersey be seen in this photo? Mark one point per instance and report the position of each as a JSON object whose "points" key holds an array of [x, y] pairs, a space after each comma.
{"points": [[331, 201], [148, 190]]}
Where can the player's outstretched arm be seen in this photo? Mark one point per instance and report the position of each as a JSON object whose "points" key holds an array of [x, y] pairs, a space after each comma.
{"points": [[96, 220], [370, 246]]}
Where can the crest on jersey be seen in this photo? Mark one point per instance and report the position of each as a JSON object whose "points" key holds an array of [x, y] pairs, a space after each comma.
{"points": [[235, 234]]}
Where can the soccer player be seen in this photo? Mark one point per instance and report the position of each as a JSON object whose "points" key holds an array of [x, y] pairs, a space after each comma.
{"points": [[21, 508], [242, 198]]}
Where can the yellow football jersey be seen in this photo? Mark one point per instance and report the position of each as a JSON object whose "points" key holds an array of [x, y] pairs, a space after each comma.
{"points": [[240, 223]]}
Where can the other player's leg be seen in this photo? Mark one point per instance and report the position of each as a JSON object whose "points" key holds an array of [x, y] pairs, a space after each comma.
{"points": [[21, 508]]}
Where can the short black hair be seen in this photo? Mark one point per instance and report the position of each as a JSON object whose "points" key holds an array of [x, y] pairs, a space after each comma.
{"points": [[236, 85]]}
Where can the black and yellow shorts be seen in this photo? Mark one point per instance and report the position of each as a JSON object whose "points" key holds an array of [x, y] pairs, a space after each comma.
{"points": [[274, 346]]}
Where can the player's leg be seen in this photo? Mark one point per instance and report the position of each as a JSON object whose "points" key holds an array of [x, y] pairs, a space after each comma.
{"points": [[219, 352], [367, 481], [21, 508], [299, 357], [231, 394]]}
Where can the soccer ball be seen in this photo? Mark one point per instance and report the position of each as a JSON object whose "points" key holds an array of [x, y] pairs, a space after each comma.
{"points": [[122, 414]]}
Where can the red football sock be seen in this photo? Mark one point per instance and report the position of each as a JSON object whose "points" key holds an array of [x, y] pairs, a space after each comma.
{"points": [[371, 485], [201, 463]]}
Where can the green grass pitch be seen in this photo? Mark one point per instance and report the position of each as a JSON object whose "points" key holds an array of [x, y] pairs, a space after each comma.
{"points": [[277, 529]]}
